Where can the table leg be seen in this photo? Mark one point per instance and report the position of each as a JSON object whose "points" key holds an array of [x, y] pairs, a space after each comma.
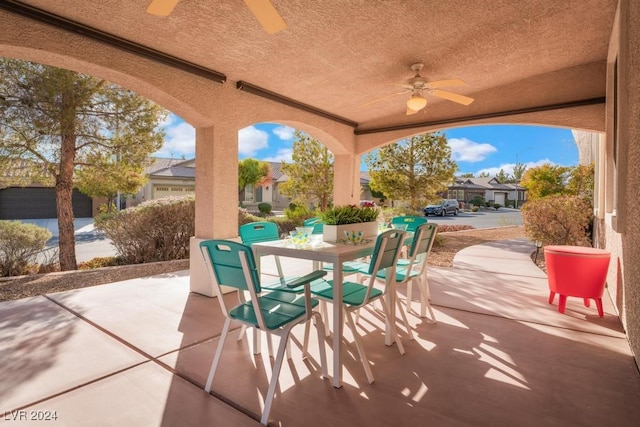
{"points": [[337, 324], [390, 286]]}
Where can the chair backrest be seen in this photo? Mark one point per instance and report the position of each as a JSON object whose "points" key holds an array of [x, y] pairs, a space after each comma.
{"points": [[386, 251], [255, 232], [225, 260], [412, 222], [423, 239], [318, 225]]}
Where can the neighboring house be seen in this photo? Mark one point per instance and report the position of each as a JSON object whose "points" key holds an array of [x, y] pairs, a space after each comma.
{"points": [[22, 197], [489, 189], [177, 177], [174, 177], [365, 191], [167, 177]]}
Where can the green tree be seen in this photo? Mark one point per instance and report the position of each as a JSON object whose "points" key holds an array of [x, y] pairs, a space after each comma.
{"points": [[518, 172], [58, 120], [581, 181], [484, 175], [106, 177], [251, 172], [310, 174], [502, 176], [545, 180], [467, 175], [415, 169]]}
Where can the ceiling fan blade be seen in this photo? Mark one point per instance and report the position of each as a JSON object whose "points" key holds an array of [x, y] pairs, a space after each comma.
{"points": [[162, 7], [383, 98], [460, 99], [267, 14], [446, 83]]}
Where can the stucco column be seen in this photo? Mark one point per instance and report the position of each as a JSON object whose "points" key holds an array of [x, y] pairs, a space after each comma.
{"points": [[346, 179], [216, 196]]}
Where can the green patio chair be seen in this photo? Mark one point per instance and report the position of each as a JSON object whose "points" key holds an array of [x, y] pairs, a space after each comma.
{"points": [[412, 222], [414, 271], [277, 312], [356, 295], [261, 231], [317, 224]]}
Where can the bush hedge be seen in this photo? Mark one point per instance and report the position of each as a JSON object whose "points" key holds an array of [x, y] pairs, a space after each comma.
{"points": [[265, 208], [156, 230], [20, 243], [558, 220]]}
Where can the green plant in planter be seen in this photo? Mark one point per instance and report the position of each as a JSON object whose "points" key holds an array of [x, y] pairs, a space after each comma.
{"points": [[348, 214]]}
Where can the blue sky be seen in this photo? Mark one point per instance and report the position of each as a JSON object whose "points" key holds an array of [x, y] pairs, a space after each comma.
{"points": [[476, 149]]}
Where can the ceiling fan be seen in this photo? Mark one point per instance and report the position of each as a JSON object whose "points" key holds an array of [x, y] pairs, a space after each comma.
{"points": [[418, 86], [263, 10]]}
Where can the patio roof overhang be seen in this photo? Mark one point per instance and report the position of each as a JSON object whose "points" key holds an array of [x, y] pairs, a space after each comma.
{"points": [[521, 61]]}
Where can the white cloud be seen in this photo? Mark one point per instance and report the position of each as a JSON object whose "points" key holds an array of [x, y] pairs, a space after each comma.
{"points": [[283, 154], [285, 133], [508, 167], [251, 140], [465, 150], [180, 138]]}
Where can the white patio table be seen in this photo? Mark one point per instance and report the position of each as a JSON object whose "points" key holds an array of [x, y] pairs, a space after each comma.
{"points": [[336, 254]]}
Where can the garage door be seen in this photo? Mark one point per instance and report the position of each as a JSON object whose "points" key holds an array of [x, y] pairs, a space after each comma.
{"points": [[160, 191], [500, 198], [35, 203]]}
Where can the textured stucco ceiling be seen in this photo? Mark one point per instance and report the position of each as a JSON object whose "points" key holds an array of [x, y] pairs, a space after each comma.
{"points": [[338, 55]]}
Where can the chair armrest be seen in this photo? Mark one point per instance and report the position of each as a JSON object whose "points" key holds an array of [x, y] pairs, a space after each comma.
{"points": [[308, 278]]}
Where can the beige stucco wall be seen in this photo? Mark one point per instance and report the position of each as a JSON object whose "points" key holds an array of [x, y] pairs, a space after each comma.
{"points": [[621, 178], [587, 143]]}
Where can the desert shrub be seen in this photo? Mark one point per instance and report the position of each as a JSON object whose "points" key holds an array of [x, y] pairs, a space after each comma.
{"points": [[19, 245], [477, 201], [285, 225], [265, 207], [475, 208], [156, 230], [99, 262], [558, 220], [244, 217], [496, 206], [298, 213]]}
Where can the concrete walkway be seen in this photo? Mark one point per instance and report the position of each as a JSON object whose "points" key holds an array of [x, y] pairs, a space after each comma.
{"points": [[136, 353]]}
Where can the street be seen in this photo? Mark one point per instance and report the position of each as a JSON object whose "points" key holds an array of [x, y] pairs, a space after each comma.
{"points": [[485, 218]]}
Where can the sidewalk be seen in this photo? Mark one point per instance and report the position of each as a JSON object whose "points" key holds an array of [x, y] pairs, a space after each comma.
{"points": [[136, 353], [81, 225]]}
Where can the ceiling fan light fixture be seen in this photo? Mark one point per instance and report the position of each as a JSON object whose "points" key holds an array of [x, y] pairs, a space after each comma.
{"points": [[416, 102]]}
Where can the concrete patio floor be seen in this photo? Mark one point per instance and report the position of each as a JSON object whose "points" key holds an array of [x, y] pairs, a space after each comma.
{"points": [[136, 353]]}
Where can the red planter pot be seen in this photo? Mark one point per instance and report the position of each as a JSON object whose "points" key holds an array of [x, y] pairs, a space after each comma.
{"points": [[576, 271]]}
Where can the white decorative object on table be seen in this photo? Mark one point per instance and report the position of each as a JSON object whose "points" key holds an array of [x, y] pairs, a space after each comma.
{"points": [[335, 233]]}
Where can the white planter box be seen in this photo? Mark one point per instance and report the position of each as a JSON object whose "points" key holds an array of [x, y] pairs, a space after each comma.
{"points": [[335, 233]]}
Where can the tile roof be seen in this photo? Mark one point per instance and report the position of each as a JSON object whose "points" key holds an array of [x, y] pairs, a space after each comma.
{"points": [[162, 166]]}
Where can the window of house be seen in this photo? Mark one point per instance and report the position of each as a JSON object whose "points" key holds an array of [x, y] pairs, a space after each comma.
{"points": [[248, 193]]}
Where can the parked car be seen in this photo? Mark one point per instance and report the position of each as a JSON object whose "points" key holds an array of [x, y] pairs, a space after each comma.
{"points": [[443, 207]]}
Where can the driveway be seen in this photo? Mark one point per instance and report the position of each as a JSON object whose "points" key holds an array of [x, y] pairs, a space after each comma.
{"points": [[484, 218], [90, 242]]}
